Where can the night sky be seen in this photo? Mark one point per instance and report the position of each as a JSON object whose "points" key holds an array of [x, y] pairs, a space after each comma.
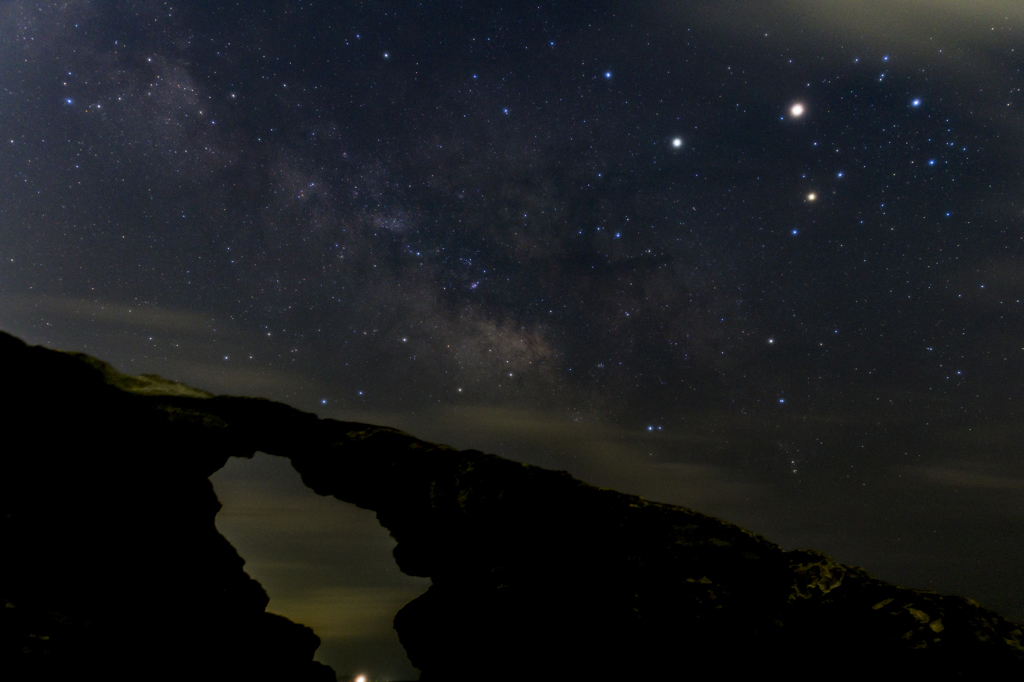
{"points": [[763, 259]]}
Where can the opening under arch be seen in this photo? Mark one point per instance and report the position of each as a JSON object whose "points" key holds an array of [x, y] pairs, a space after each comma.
{"points": [[324, 563]]}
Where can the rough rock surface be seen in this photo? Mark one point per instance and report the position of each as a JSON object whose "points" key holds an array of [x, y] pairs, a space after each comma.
{"points": [[112, 561]]}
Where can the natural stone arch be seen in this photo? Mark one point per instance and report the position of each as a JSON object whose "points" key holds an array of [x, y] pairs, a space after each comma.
{"points": [[534, 573]]}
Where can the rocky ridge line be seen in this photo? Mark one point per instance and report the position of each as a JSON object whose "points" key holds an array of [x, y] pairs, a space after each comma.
{"points": [[534, 573]]}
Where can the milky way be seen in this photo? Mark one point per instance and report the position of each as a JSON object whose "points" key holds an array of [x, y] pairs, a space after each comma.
{"points": [[779, 248]]}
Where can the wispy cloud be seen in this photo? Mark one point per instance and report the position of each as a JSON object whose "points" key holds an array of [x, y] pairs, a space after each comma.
{"points": [[345, 612], [968, 43], [963, 478], [198, 349], [658, 465], [893, 24], [102, 312]]}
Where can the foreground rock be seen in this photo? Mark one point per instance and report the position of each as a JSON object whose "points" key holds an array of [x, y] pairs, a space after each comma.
{"points": [[113, 563]]}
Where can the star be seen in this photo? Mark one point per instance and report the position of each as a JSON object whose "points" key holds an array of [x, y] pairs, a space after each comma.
{"points": [[812, 197], [797, 110], [677, 143]]}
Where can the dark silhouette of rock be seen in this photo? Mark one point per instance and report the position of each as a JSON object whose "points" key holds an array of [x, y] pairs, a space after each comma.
{"points": [[112, 561]]}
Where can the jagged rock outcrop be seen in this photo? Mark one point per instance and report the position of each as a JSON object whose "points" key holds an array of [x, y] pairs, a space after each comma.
{"points": [[113, 556], [111, 562]]}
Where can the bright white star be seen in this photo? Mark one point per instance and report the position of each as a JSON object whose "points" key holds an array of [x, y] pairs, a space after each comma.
{"points": [[797, 110]]}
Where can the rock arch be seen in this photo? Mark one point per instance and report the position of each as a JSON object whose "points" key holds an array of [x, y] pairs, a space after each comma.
{"points": [[118, 566]]}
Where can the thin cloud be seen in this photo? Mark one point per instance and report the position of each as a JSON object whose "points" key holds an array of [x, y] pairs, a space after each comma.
{"points": [[961, 478], [892, 24], [965, 41], [340, 613], [102, 312]]}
